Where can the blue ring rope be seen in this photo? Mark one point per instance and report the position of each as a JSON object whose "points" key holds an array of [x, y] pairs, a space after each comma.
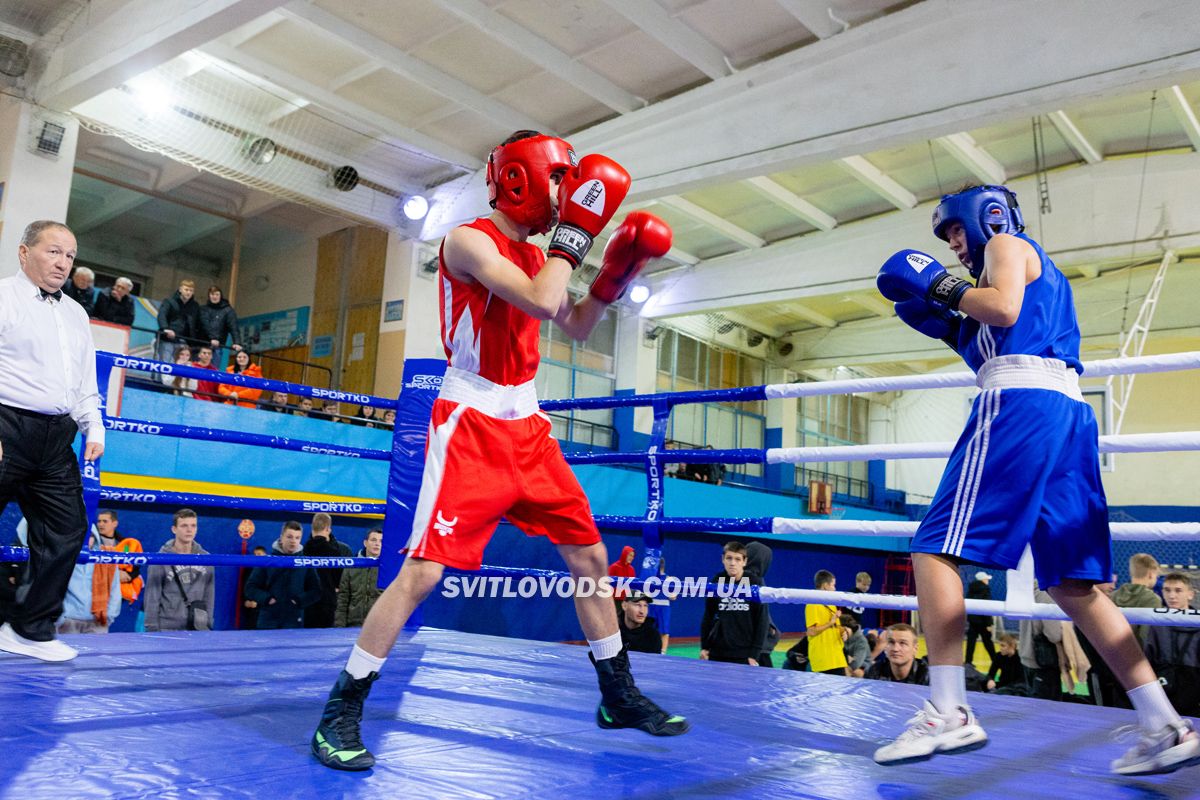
{"points": [[197, 433]]}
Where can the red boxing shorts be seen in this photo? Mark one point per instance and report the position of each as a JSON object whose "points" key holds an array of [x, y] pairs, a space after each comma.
{"points": [[480, 468]]}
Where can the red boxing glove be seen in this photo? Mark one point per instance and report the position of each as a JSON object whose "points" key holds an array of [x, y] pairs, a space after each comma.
{"points": [[587, 198], [641, 237]]}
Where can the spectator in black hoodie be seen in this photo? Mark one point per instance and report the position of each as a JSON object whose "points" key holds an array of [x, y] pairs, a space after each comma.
{"points": [[218, 321], [178, 320], [758, 561], [979, 626], [734, 626], [282, 593], [322, 543], [117, 305], [1007, 675], [639, 632]]}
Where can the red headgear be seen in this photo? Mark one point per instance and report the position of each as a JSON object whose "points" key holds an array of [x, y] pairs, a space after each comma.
{"points": [[518, 178]]}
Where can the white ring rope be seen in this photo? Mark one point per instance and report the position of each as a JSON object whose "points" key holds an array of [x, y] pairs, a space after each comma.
{"points": [[1119, 443], [1121, 531], [1137, 616], [947, 380]]}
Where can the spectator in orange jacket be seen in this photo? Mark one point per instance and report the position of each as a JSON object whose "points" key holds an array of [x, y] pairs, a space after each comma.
{"points": [[243, 396]]}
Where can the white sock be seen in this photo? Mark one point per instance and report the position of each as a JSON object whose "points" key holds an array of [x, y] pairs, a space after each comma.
{"points": [[362, 663], [947, 688], [608, 647], [1154, 710]]}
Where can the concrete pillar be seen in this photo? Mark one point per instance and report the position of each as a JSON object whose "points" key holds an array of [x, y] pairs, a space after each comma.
{"points": [[637, 373], [35, 184], [782, 416]]}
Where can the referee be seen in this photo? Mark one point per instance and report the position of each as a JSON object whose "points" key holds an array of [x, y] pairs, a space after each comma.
{"points": [[47, 392]]}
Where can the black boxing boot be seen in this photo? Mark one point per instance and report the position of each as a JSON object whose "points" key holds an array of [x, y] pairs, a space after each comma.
{"points": [[622, 705], [337, 742]]}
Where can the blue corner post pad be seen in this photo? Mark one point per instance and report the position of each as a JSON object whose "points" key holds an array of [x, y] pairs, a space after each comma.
{"points": [[422, 382]]}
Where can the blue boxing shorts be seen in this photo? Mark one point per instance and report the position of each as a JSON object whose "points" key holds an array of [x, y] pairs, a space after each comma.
{"points": [[1026, 471]]}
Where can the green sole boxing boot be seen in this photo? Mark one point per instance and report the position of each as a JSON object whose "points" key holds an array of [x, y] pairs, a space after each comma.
{"points": [[337, 743], [622, 705]]}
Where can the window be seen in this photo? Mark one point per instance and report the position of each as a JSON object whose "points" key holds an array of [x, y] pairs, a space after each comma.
{"points": [[579, 369], [831, 421], [686, 364]]}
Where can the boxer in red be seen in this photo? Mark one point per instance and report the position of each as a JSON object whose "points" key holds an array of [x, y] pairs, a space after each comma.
{"points": [[491, 453]]}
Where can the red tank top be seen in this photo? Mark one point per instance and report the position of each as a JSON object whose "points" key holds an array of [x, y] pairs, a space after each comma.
{"points": [[482, 333]]}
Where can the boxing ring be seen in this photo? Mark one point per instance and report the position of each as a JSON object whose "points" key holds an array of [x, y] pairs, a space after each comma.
{"points": [[228, 713]]}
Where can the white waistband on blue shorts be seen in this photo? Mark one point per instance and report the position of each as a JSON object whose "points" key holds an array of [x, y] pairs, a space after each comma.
{"points": [[1029, 372], [501, 402]]}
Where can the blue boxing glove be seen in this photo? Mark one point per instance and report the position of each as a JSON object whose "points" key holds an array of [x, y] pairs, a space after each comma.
{"points": [[933, 321], [911, 273]]}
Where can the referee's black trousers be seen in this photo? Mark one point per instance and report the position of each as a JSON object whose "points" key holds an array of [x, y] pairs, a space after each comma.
{"points": [[40, 471]]}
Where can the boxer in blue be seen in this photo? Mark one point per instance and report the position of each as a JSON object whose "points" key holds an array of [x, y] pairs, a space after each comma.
{"points": [[1024, 472]]}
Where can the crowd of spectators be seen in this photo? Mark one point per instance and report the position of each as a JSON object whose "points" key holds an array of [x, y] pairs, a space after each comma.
{"points": [[702, 473]]}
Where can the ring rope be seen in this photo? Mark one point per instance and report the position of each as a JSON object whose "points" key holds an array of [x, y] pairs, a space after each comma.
{"points": [[198, 433]]}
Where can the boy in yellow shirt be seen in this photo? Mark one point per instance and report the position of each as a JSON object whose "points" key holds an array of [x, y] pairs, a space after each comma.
{"points": [[825, 652]]}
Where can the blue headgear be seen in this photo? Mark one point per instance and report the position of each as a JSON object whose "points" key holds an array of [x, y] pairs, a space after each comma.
{"points": [[983, 212]]}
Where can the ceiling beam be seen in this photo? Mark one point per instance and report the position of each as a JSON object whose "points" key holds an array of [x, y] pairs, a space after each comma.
{"points": [[785, 198], [872, 303], [401, 135], [1185, 115], [815, 317], [255, 203], [874, 179], [135, 38], [816, 15], [253, 28], [1074, 137], [414, 69], [979, 162], [676, 35], [719, 224], [545, 55], [747, 320], [171, 175]]}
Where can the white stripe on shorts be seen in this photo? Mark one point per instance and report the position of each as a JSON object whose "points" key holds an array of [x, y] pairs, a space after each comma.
{"points": [[431, 479], [971, 475]]}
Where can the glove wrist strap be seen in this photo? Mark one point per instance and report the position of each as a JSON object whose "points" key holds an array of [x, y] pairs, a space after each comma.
{"points": [[948, 290], [570, 243]]}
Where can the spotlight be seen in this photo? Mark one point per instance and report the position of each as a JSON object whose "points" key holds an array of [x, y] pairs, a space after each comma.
{"points": [[260, 150], [653, 332], [343, 178], [639, 293], [415, 207], [151, 94]]}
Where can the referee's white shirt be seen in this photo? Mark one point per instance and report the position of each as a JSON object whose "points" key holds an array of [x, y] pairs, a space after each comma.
{"points": [[47, 359]]}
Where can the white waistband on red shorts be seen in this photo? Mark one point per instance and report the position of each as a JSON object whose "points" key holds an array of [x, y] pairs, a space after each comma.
{"points": [[1029, 372], [501, 402]]}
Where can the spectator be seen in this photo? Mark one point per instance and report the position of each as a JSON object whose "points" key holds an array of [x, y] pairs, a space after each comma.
{"points": [[1007, 675], [305, 408], [359, 588], [323, 544], [1040, 648], [865, 617], [638, 631], [116, 306], [734, 626], [622, 568], [1175, 652], [758, 562], [178, 320], [1139, 592], [82, 289], [716, 472], [217, 321], [855, 646], [180, 597], [825, 652], [389, 417], [129, 575], [205, 390], [282, 593], [244, 396], [366, 416], [93, 598], [331, 410], [660, 607], [672, 469], [249, 617], [277, 403], [900, 663], [184, 387], [980, 625]]}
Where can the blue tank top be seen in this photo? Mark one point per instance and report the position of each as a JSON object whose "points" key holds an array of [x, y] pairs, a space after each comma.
{"points": [[1046, 326]]}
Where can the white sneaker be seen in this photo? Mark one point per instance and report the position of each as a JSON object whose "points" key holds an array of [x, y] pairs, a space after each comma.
{"points": [[53, 650], [931, 732], [1169, 749]]}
